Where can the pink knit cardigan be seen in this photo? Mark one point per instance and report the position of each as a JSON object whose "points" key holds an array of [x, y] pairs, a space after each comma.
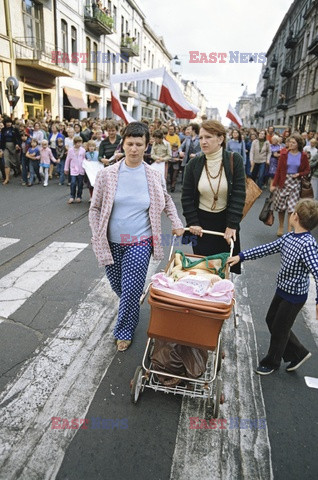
{"points": [[102, 204]]}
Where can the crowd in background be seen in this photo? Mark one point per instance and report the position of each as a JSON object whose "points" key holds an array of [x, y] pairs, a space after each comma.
{"points": [[38, 149]]}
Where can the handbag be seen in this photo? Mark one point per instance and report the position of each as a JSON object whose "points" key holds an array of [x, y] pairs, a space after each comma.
{"points": [[270, 218], [266, 216], [251, 189], [306, 190]]}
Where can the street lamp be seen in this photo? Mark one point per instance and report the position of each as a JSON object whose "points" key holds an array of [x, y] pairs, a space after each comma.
{"points": [[12, 84]]}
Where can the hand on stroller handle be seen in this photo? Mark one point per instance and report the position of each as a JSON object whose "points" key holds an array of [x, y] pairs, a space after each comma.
{"points": [[209, 232]]}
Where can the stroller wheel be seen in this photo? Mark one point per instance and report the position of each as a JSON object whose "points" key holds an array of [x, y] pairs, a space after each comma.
{"points": [[136, 384], [218, 393]]}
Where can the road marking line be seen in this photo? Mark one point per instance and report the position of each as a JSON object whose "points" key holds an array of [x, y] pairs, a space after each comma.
{"points": [[6, 242], [309, 310], [229, 453], [19, 285], [60, 381]]}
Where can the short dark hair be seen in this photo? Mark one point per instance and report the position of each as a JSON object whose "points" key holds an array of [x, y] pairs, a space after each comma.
{"points": [[239, 134], [195, 127], [307, 211], [136, 129], [158, 134]]}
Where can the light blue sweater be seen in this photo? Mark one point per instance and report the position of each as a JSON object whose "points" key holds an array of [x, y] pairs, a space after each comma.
{"points": [[237, 147], [129, 219]]}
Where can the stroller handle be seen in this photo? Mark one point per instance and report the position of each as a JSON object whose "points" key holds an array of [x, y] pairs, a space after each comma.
{"points": [[209, 232]]}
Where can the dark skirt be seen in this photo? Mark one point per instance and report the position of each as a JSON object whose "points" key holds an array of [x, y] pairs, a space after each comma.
{"points": [[212, 244]]}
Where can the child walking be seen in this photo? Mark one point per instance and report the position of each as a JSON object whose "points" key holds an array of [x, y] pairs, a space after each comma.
{"points": [[299, 257], [33, 154], [92, 156], [74, 163], [174, 166], [46, 156]]}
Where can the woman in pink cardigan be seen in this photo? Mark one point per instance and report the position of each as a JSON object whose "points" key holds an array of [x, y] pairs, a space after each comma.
{"points": [[74, 162], [125, 218]]}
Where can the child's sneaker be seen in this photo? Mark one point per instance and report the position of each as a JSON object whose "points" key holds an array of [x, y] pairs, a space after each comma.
{"points": [[264, 370], [70, 200], [78, 200], [296, 363]]}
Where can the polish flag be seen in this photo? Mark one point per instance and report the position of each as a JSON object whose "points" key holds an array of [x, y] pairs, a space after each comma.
{"points": [[172, 95], [118, 109], [233, 116]]}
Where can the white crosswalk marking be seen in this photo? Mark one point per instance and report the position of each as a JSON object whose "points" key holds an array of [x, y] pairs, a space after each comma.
{"points": [[6, 242], [19, 285], [225, 454], [60, 381]]}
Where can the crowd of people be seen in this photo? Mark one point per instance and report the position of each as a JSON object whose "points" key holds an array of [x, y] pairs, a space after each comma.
{"points": [[38, 150], [130, 196]]}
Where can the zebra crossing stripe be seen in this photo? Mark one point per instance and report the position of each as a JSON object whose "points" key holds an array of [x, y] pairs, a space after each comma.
{"points": [[19, 285], [235, 451], [6, 242], [61, 380]]}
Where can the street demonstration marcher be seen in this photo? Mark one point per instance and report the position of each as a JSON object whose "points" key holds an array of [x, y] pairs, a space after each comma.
{"points": [[299, 257], [125, 218], [292, 164], [10, 146], [213, 195]]}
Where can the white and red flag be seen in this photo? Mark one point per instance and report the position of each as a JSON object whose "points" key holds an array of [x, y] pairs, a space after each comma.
{"points": [[172, 95], [234, 116]]}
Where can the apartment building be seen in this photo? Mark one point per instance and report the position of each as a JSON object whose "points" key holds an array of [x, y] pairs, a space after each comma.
{"points": [[290, 93], [63, 53]]}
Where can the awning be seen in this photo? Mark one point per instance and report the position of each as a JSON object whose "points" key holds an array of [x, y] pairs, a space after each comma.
{"points": [[94, 98], [75, 98]]}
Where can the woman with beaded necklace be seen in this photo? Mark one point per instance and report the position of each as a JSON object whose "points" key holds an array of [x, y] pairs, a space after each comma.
{"points": [[213, 193]]}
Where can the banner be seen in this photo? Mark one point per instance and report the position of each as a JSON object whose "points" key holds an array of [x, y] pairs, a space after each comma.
{"points": [[170, 94]]}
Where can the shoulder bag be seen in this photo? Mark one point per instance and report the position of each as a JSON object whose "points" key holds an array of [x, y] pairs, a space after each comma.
{"points": [[252, 190]]}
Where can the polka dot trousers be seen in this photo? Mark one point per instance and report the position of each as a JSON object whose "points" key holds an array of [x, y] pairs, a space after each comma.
{"points": [[127, 278]]}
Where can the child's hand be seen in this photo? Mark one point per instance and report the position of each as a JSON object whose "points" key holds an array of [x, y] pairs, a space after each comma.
{"points": [[58, 160], [233, 260], [66, 172]]}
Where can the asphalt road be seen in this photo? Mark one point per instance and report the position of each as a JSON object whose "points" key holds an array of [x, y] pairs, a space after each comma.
{"points": [[57, 360]]}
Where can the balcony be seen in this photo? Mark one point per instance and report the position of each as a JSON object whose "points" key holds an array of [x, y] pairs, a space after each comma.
{"points": [[266, 73], [129, 48], [97, 21], [313, 47], [97, 78], [35, 53], [274, 62], [287, 71], [291, 41], [282, 105], [264, 93]]}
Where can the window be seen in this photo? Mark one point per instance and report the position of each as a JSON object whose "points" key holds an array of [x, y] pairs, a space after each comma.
{"points": [[74, 41], [95, 61], [109, 59], [126, 26], [115, 18], [122, 26], [64, 36], [145, 54], [109, 7], [88, 54], [32, 20]]}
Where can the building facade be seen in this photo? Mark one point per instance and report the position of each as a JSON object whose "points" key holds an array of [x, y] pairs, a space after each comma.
{"points": [[290, 92], [63, 53]]}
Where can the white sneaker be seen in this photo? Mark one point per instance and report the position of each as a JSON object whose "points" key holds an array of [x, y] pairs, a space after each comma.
{"points": [[45, 184]]}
